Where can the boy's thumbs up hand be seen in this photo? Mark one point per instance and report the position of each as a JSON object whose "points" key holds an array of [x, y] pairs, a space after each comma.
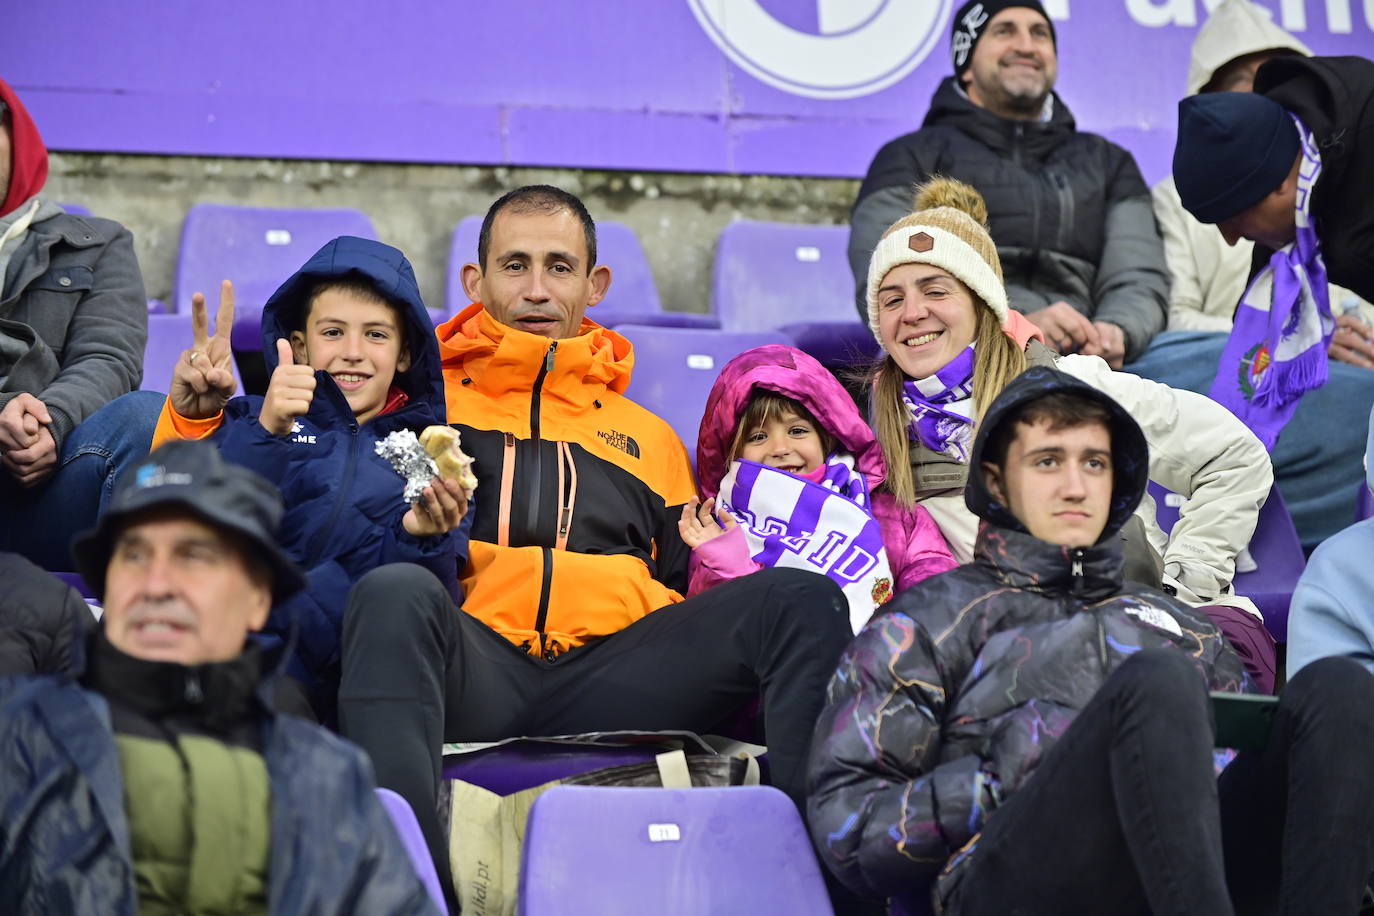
{"points": [[289, 393]]}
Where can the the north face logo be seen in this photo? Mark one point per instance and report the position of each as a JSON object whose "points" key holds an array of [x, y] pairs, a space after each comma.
{"points": [[620, 441]]}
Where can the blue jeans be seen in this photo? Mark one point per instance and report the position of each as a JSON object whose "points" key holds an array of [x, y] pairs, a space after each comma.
{"points": [[1319, 457], [40, 523]]}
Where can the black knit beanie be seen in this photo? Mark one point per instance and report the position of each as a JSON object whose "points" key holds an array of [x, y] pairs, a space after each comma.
{"points": [[970, 21], [1233, 150]]}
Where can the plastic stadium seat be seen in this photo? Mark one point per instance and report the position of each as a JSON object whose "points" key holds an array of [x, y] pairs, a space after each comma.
{"points": [[794, 279], [676, 367], [256, 247], [1364, 503], [414, 841], [632, 299], [1275, 548], [76, 209], [671, 852], [168, 336]]}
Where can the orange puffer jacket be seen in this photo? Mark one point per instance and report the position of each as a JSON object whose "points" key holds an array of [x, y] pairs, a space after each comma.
{"points": [[579, 489]]}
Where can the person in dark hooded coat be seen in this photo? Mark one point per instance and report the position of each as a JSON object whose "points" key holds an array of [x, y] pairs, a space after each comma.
{"points": [[345, 512], [1031, 733]]}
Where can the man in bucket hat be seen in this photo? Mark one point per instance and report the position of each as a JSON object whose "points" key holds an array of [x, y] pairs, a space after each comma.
{"points": [[154, 775]]}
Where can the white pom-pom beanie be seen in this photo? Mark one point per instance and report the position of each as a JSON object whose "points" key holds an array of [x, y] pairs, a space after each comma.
{"points": [[944, 237]]}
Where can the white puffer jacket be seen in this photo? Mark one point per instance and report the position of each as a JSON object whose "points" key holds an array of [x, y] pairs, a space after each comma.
{"points": [[1199, 450]]}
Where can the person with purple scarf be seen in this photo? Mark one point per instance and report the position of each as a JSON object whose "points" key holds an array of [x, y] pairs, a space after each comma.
{"points": [[1288, 167], [793, 476], [938, 306]]}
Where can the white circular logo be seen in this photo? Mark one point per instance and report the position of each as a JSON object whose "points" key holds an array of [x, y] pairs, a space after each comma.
{"points": [[859, 46]]}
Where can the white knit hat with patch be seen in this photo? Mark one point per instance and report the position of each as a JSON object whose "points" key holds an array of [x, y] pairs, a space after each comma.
{"points": [[948, 230]]}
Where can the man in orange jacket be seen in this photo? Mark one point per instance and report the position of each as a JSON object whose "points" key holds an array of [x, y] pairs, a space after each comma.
{"points": [[573, 618]]}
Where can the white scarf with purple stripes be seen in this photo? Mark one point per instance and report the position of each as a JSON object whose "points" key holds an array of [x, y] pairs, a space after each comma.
{"points": [[825, 527]]}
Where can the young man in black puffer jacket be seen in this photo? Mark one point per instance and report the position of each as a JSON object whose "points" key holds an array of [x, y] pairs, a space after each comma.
{"points": [[1030, 733]]}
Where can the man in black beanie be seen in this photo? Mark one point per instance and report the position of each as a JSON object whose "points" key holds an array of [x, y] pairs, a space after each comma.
{"points": [[1287, 167], [1069, 211], [1237, 162]]}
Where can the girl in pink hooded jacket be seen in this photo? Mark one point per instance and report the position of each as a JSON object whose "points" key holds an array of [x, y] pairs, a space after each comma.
{"points": [[791, 476]]}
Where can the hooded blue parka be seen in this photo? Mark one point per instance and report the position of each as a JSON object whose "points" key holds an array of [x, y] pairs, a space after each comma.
{"points": [[343, 501]]}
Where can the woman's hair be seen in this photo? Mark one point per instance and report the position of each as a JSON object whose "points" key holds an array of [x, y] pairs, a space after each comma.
{"points": [[997, 360], [765, 405]]}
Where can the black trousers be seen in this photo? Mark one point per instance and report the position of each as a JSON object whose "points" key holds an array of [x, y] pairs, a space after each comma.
{"points": [[1124, 814], [418, 672]]}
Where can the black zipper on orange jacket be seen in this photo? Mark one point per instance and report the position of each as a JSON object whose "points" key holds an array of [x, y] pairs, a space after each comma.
{"points": [[536, 483]]}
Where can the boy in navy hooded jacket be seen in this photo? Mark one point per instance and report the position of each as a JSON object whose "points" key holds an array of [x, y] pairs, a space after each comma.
{"points": [[352, 358]]}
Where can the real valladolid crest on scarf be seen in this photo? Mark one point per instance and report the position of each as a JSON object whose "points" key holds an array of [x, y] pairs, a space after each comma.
{"points": [[1277, 348]]}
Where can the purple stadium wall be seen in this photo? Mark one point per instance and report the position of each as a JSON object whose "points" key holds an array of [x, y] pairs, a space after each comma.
{"points": [[791, 87]]}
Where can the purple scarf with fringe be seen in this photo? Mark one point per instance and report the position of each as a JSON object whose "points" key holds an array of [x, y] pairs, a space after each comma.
{"points": [[941, 407], [1277, 348]]}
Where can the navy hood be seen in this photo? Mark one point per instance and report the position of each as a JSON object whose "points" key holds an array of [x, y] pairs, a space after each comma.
{"points": [[387, 269], [1130, 451]]}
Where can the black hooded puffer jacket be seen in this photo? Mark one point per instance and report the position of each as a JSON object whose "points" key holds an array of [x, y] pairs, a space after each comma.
{"points": [[967, 680]]}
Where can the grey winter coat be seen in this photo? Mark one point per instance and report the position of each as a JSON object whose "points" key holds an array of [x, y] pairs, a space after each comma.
{"points": [[1069, 211], [73, 305]]}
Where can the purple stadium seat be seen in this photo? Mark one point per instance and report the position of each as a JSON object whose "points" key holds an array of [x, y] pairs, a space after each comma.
{"points": [[516, 766], [168, 336], [632, 299], [627, 851], [462, 250], [794, 279], [76, 209], [257, 248], [414, 841], [1364, 503], [1275, 548], [676, 367]]}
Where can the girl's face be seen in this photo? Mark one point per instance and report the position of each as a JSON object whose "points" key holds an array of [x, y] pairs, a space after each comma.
{"points": [[926, 317], [787, 442]]}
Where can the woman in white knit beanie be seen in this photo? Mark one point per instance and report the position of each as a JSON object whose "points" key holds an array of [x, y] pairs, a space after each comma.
{"points": [[938, 306]]}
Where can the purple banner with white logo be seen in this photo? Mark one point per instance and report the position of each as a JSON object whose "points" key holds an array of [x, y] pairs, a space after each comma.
{"points": [[795, 87]]}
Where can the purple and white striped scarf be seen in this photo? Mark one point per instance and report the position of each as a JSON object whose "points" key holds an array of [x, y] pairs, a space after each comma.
{"points": [[825, 527], [941, 407], [1277, 348]]}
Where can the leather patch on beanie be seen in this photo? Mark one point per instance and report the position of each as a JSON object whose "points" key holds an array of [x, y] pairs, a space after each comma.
{"points": [[921, 241]]}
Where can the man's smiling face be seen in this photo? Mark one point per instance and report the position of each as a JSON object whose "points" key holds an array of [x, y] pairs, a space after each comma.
{"points": [[1014, 64], [537, 277]]}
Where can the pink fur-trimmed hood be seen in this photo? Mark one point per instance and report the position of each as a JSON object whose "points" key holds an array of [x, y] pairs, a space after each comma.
{"points": [[789, 372]]}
